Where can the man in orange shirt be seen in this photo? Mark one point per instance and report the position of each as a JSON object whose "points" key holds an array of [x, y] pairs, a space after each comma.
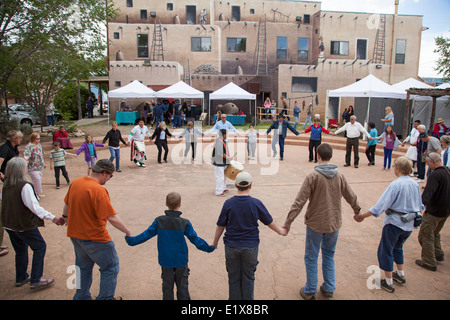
{"points": [[87, 210]]}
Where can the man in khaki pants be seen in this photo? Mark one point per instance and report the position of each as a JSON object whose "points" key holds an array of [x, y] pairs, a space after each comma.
{"points": [[435, 198]]}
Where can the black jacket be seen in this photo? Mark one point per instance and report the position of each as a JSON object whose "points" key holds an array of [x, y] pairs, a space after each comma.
{"points": [[114, 138], [157, 133], [436, 195]]}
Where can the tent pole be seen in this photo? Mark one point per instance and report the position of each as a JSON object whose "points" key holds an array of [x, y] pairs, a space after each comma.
{"points": [[326, 111]]}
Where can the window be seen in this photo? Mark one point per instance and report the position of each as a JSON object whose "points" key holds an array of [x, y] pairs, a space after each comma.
{"points": [[339, 48], [117, 83], [142, 45], [400, 51], [302, 49], [116, 35], [361, 49], [307, 19], [200, 44], [304, 84], [281, 47], [143, 14], [235, 13], [252, 11], [169, 6], [236, 44], [129, 3], [191, 15]]}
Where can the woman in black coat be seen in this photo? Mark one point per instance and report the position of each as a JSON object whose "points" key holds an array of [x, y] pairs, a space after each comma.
{"points": [[161, 134]]}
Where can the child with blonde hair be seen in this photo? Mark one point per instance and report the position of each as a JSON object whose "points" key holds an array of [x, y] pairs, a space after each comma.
{"points": [[90, 151]]}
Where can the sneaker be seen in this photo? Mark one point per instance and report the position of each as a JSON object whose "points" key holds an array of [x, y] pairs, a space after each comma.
{"points": [[221, 195], [421, 264], [346, 165], [307, 296], [398, 278], [58, 187], [118, 170], [419, 180], [385, 286], [326, 293]]}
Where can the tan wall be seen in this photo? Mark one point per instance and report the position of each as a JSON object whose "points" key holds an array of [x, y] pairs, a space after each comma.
{"points": [[287, 10], [330, 76], [332, 71]]}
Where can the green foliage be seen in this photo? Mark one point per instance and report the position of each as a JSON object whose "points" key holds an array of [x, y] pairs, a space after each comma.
{"points": [[66, 101], [443, 63]]}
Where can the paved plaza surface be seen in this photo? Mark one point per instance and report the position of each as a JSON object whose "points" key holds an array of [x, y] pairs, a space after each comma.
{"points": [[138, 195]]}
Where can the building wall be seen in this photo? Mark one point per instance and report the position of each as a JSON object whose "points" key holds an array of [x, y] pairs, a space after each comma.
{"points": [[319, 27]]}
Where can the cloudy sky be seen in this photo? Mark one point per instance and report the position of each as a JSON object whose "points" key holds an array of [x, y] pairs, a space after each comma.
{"points": [[436, 16]]}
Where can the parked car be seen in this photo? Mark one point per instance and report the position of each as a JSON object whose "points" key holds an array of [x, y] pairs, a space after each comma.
{"points": [[24, 114]]}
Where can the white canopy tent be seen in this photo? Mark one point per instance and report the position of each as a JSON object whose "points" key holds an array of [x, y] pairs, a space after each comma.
{"points": [[231, 91], [134, 89], [444, 86], [181, 90], [368, 87]]}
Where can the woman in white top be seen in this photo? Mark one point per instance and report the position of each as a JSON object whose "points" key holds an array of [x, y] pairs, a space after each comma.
{"points": [[191, 139]]}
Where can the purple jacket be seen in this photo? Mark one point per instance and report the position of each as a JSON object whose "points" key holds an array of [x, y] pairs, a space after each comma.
{"points": [[87, 155]]}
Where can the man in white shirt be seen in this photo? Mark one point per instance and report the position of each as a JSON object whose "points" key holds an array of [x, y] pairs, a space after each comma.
{"points": [[137, 137], [354, 130]]}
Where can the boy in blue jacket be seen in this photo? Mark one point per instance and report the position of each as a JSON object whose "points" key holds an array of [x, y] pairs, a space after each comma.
{"points": [[172, 248]]}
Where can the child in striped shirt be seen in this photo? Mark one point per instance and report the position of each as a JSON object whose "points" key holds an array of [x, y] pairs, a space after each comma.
{"points": [[57, 157]]}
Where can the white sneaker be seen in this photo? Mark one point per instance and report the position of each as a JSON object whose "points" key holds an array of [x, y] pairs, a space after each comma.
{"points": [[419, 180]]}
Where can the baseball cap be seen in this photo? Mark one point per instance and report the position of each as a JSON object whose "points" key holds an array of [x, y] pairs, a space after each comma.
{"points": [[103, 165], [243, 179], [423, 135]]}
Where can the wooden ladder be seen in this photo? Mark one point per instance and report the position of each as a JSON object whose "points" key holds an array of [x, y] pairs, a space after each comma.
{"points": [[379, 51], [157, 43], [261, 62]]}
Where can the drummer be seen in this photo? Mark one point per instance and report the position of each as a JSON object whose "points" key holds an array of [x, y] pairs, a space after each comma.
{"points": [[220, 160]]}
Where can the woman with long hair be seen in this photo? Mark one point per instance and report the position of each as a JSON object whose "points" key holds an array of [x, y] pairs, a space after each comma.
{"points": [[389, 140]]}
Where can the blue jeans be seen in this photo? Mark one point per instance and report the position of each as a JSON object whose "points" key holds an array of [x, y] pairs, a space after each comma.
{"points": [[387, 158], [88, 253], [314, 242], [241, 265], [20, 242], [177, 121], [115, 154], [308, 121], [280, 140]]}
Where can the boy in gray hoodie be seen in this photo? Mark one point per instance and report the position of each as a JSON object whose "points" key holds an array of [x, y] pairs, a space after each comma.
{"points": [[324, 188]]}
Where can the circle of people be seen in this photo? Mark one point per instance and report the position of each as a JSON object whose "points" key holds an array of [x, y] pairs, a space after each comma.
{"points": [[87, 208]]}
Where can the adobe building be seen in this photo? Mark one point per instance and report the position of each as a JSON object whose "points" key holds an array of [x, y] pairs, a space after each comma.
{"points": [[269, 48]]}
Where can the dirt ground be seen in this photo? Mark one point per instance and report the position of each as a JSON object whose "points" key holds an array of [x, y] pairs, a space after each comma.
{"points": [[138, 196]]}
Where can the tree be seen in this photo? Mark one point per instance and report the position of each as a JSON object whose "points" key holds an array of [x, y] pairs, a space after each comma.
{"points": [[38, 79], [443, 63], [28, 27]]}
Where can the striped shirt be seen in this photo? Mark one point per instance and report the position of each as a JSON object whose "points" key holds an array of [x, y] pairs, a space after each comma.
{"points": [[58, 157]]}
